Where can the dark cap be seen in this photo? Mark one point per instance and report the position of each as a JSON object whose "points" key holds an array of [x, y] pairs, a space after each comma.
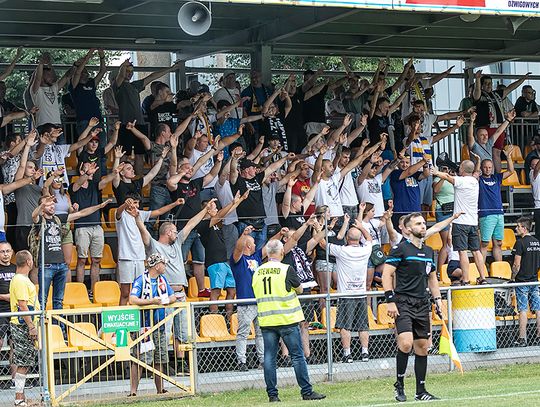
{"points": [[245, 163]]}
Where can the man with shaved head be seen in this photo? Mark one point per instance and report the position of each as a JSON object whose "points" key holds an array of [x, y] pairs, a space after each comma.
{"points": [[351, 268], [465, 228]]}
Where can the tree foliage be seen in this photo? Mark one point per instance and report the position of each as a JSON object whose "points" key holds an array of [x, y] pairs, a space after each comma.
{"points": [[17, 82]]}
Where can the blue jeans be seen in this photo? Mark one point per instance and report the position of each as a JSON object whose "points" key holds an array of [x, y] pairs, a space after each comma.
{"points": [[259, 236], [291, 337], [55, 274], [192, 243]]}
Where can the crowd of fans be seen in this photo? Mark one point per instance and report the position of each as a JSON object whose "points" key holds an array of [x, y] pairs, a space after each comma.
{"points": [[228, 172]]}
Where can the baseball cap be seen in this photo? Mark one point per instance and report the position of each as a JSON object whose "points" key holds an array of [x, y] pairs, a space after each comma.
{"points": [[154, 259], [245, 163], [228, 72]]}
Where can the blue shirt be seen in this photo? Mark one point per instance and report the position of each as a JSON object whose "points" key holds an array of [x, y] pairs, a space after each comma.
{"points": [[489, 196], [406, 193], [137, 290], [243, 271], [228, 128]]}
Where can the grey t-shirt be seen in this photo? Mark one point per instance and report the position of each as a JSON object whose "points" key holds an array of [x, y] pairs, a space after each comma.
{"points": [[27, 199], [129, 101], [485, 152], [155, 154], [53, 242], [175, 272], [270, 206]]}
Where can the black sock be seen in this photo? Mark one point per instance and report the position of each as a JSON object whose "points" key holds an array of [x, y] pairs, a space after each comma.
{"points": [[402, 359], [420, 370]]}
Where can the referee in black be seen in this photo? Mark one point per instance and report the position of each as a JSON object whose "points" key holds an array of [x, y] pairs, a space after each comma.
{"points": [[412, 265]]}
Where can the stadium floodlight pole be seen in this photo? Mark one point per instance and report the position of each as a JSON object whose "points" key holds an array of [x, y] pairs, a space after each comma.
{"points": [[450, 329], [328, 310], [46, 398]]}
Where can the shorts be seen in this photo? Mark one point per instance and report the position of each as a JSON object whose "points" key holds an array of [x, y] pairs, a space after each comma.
{"points": [[309, 307], [180, 326], [129, 142], [24, 350], [439, 217], [465, 237], [89, 238], [68, 238], [491, 227], [320, 266], [528, 295], [426, 190], [452, 266], [4, 328], [352, 314], [129, 270], [221, 276], [160, 354], [413, 316], [193, 244]]}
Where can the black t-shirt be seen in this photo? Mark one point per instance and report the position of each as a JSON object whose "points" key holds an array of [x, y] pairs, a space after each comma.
{"points": [[528, 247], [6, 107], [482, 108], [6, 275], [320, 253], [53, 242], [273, 128], [95, 157], [295, 221], [191, 194], [87, 197], [413, 266], [523, 106], [125, 188], [292, 280], [376, 126], [296, 135], [313, 109], [162, 114], [215, 250], [253, 206]]}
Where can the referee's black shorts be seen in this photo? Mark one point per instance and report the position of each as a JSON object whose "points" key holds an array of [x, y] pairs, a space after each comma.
{"points": [[413, 316]]}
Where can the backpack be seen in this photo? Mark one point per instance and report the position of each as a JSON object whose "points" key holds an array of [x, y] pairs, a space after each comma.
{"points": [[34, 237]]}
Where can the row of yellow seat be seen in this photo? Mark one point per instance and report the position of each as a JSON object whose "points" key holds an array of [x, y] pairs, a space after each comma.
{"points": [[106, 294], [509, 240]]}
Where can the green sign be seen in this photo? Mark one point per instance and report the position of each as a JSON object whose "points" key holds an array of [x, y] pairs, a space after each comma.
{"points": [[128, 320]]}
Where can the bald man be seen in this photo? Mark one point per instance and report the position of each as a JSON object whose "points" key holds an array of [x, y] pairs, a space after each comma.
{"points": [[351, 268], [465, 228]]}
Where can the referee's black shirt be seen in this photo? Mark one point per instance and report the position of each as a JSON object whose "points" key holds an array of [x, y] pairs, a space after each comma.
{"points": [[413, 266]]}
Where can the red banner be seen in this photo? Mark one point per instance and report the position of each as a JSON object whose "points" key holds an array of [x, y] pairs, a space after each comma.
{"points": [[459, 3]]}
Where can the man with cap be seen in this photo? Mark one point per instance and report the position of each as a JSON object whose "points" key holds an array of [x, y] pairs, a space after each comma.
{"points": [[151, 288], [251, 211], [276, 286], [535, 153], [229, 92]]}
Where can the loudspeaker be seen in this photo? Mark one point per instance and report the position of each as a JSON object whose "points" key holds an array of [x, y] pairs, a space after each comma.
{"points": [[194, 18], [444, 161]]}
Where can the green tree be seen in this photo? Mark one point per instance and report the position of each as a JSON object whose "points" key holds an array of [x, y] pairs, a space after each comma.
{"points": [[17, 82]]}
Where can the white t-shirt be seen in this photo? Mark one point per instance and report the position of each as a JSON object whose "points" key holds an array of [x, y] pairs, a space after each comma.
{"points": [[200, 125], [428, 121], [466, 191], [347, 191], [2, 218], [351, 267], [130, 244], [175, 272], [535, 184], [46, 98], [329, 155], [53, 158], [371, 191], [230, 95], [373, 228], [328, 194], [225, 197], [205, 168], [452, 254], [334, 105]]}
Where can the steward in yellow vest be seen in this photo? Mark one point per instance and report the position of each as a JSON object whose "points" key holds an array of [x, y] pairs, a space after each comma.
{"points": [[275, 286]]}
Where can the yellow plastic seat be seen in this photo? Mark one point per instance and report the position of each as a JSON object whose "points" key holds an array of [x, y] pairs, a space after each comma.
{"points": [[516, 155], [107, 192], [509, 239], [512, 181], [213, 326], [81, 341], [107, 261], [49, 297], [474, 274], [333, 316], [234, 327], [107, 293], [444, 280], [71, 161], [202, 340], [382, 315], [146, 191], [375, 325], [501, 269], [57, 342], [435, 320], [435, 242], [431, 213], [193, 289], [76, 296]]}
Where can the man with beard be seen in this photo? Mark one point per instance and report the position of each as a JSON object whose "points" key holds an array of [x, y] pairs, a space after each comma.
{"points": [[411, 264]]}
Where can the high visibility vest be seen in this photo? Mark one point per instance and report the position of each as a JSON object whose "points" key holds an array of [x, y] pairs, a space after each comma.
{"points": [[275, 305]]}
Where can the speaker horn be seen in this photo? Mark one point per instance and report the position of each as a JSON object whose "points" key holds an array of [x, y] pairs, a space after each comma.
{"points": [[194, 18], [443, 160], [513, 23]]}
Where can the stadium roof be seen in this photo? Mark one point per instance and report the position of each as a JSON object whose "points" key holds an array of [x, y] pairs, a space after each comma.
{"points": [[241, 27]]}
